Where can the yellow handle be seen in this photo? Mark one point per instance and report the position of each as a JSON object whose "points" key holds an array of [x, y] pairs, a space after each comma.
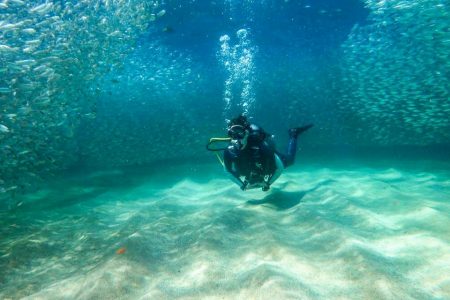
{"points": [[212, 140], [219, 139]]}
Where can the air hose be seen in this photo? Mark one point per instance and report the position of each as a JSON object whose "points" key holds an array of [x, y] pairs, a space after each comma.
{"points": [[217, 140]]}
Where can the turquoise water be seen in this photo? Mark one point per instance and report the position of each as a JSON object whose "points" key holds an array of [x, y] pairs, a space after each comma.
{"points": [[352, 229], [107, 190]]}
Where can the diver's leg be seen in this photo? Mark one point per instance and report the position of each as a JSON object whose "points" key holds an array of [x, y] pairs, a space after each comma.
{"points": [[289, 158]]}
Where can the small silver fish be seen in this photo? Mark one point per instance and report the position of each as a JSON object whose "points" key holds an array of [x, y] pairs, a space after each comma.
{"points": [[7, 49], [3, 128], [161, 13]]}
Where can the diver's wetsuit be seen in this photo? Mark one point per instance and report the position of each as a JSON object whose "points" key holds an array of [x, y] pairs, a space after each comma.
{"points": [[259, 160]]}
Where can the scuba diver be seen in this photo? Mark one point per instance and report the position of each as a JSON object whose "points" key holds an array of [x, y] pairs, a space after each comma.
{"points": [[251, 157]]}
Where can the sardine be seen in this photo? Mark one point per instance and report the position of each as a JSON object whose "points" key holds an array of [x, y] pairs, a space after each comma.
{"points": [[3, 128]]}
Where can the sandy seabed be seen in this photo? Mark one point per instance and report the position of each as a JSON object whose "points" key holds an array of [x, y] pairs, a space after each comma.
{"points": [[343, 232]]}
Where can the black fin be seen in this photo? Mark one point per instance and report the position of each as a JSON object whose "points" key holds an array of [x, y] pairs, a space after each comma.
{"points": [[295, 132]]}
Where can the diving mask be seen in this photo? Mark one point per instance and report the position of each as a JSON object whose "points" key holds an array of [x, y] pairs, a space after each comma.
{"points": [[237, 132]]}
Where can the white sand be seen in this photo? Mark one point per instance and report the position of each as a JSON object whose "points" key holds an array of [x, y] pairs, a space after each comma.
{"points": [[320, 233]]}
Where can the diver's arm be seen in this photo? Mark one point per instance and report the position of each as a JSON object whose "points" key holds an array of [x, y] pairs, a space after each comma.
{"points": [[272, 164], [228, 162], [278, 170]]}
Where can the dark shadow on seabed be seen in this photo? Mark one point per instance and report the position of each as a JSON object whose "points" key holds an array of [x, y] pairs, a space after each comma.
{"points": [[281, 200]]}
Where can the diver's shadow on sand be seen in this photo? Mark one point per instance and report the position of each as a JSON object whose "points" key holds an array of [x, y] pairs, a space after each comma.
{"points": [[282, 200]]}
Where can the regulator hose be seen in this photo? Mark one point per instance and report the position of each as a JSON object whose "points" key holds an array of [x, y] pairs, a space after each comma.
{"points": [[217, 140]]}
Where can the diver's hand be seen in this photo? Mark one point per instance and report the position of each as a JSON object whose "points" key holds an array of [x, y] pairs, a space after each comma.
{"points": [[244, 185], [265, 187]]}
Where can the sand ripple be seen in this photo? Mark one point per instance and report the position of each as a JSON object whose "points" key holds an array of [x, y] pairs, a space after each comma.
{"points": [[318, 234]]}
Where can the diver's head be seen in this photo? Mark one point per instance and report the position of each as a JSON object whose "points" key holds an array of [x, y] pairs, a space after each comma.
{"points": [[238, 130], [237, 127], [239, 120]]}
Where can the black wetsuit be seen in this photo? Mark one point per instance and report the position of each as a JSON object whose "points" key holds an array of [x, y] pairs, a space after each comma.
{"points": [[257, 161]]}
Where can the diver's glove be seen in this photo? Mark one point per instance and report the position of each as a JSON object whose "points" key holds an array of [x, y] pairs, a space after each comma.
{"points": [[266, 187], [244, 185]]}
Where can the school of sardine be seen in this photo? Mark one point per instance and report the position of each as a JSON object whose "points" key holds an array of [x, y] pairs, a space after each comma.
{"points": [[396, 73], [51, 55], [149, 112]]}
